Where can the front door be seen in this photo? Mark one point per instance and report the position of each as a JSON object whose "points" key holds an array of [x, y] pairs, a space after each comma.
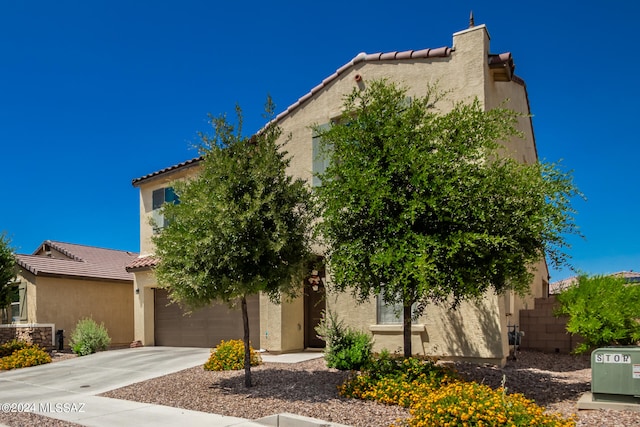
{"points": [[314, 306]]}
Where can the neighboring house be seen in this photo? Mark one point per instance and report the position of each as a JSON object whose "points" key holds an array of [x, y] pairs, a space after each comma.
{"points": [[561, 285], [476, 331], [62, 283]]}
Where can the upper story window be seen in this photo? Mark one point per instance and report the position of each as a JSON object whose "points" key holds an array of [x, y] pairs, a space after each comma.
{"points": [[320, 159], [160, 197]]}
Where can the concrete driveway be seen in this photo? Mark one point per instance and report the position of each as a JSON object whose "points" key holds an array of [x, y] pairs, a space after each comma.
{"points": [[67, 390]]}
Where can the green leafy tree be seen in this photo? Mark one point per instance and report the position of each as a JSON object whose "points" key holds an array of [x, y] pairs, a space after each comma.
{"points": [[241, 227], [7, 273], [603, 310], [420, 205]]}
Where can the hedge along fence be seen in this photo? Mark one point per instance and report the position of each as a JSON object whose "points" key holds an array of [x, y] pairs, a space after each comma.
{"points": [[33, 333]]}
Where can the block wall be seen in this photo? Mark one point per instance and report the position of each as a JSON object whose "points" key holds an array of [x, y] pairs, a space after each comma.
{"points": [[544, 331]]}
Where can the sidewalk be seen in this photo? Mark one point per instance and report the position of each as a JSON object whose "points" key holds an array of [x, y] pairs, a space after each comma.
{"points": [[68, 390]]}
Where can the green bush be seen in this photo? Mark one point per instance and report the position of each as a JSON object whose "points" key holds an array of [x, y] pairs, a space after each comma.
{"points": [[603, 310], [436, 397], [8, 348], [30, 355], [229, 356], [396, 380], [347, 349], [89, 337]]}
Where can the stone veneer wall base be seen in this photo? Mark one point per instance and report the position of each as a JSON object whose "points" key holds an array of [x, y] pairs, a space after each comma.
{"points": [[33, 333]]}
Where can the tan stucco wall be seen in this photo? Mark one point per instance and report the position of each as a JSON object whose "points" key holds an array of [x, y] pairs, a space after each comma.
{"points": [[282, 325], [64, 301], [146, 204], [472, 332], [144, 306], [464, 76]]}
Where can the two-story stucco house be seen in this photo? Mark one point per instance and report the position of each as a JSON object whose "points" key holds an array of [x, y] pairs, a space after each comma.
{"points": [[477, 331]]}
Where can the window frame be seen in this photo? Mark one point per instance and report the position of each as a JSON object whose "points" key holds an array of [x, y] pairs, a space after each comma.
{"points": [[159, 197], [391, 313]]}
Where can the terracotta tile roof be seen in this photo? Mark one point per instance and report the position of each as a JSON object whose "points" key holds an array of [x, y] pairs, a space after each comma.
{"points": [[142, 263], [185, 164], [503, 66], [78, 261]]}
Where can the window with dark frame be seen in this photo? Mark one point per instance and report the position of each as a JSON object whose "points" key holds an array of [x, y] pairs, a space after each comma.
{"points": [[159, 198]]}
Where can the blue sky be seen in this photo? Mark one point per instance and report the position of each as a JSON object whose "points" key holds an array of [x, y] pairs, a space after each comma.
{"points": [[96, 93]]}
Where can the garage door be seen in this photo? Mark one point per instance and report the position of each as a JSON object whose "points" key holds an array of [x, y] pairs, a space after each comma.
{"points": [[204, 327]]}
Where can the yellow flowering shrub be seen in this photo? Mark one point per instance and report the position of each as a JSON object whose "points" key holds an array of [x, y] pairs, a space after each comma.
{"points": [[31, 355], [9, 347], [229, 356], [471, 404], [396, 381], [436, 397]]}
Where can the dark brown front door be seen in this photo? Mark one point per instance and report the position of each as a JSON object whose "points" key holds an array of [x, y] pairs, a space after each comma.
{"points": [[314, 305]]}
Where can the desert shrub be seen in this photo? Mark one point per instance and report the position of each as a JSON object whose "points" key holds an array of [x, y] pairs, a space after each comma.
{"points": [[229, 356], [347, 349], [8, 348], [469, 403], [89, 337], [396, 380], [31, 355], [603, 310], [436, 396]]}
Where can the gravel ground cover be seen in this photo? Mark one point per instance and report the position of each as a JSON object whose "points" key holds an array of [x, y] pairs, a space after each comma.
{"points": [[309, 389], [554, 381]]}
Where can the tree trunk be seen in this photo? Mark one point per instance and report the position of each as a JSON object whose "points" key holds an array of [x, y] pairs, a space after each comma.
{"points": [[247, 352], [406, 328]]}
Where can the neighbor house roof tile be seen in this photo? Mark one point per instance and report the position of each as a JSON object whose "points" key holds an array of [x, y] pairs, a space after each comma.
{"points": [[82, 262], [561, 285]]}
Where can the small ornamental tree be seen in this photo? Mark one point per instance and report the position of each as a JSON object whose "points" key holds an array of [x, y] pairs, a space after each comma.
{"points": [[7, 274], [604, 310], [241, 227], [420, 205]]}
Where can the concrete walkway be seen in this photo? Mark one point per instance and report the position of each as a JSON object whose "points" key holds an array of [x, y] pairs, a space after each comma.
{"points": [[68, 390]]}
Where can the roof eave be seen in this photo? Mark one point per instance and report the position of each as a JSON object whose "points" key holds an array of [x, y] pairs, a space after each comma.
{"points": [[436, 53], [168, 170]]}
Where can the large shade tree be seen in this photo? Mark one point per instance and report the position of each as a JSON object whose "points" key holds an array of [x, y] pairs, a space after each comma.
{"points": [[7, 274], [420, 205], [241, 225]]}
